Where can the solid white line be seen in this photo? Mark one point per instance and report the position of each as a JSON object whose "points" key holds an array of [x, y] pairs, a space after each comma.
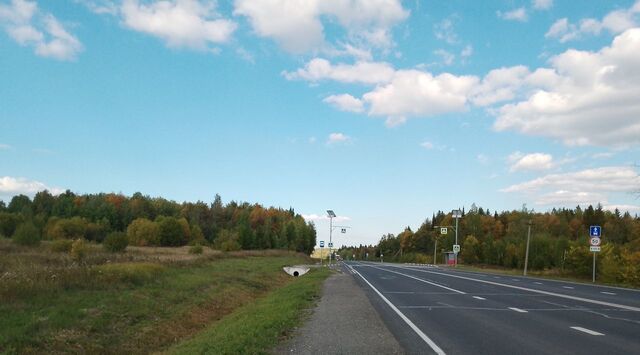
{"points": [[575, 298], [588, 331], [568, 287], [422, 335], [479, 298], [518, 310], [421, 280], [608, 293]]}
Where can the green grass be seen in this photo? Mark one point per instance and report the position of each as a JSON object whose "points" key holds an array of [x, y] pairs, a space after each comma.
{"points": [[552, 274], [257, 327], [49, 304]]}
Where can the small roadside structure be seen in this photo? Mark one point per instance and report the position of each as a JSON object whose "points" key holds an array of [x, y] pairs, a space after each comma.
{"points": [[296, 271]]}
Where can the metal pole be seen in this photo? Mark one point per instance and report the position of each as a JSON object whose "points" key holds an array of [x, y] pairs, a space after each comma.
{"points": [[526, 255], [435, 248], [330, 241], [594, 268], [456, 254]]}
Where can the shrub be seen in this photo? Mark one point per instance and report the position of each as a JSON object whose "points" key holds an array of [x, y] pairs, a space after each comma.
{"points": [[61, 245], [115, 242], [195, 249], [171, 232], [227, 241], [27, 234], [79, 249], [143, 232]]}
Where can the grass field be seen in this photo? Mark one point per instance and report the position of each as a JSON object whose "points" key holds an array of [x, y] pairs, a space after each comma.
{"points": [[144, 301]]}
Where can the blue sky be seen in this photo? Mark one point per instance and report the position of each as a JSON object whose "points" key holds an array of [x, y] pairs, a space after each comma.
{"points": [[382, 110]]}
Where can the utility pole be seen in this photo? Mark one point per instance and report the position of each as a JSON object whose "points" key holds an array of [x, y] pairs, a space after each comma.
{"points": [[331, 215], [526, 254], [435, 249]]}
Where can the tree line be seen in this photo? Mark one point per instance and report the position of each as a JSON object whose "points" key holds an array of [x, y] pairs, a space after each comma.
{"points": [[559, 241], [156, 221]]}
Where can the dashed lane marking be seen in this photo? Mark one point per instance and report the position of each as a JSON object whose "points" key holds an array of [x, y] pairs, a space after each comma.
{"points": [[479, 298], [588, 331], [518, 310]]}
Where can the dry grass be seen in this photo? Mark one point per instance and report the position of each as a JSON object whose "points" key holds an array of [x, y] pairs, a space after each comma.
{"points": [[144, 300]]}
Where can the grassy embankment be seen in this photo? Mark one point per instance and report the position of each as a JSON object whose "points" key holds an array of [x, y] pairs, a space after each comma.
{"points": [[148, 300], [553, 274]]}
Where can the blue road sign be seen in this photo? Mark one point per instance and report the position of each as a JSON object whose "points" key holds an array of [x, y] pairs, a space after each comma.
{"points": [[322, 244], [595, 231]]}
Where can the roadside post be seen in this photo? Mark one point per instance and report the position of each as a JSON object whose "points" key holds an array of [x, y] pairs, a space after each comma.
{"points": [[457, 214], [321, 252], [526, 255], [595, 232]]}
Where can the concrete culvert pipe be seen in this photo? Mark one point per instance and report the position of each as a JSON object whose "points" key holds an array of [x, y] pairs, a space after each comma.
{"points": [[296, 271]]}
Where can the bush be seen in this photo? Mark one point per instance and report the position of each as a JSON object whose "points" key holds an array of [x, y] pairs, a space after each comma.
{"points": [[171, 232], [195, 249], [115, 242], [61, 245], [143, 232], [27, 234], [79, 249]]}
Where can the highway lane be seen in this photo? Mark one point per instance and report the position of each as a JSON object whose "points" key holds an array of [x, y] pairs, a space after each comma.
{"points": [[462, 312]]}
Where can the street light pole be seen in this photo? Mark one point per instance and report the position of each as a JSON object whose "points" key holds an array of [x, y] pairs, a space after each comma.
{"points": [[331, 214], [526, 255]]}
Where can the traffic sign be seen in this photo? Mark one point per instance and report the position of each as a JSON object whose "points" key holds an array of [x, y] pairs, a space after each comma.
{"points": [[344, 230], [330, 245], [443, 230], [322, 244], [456, 248], [595, 231], [594, 249], [594, 241]]}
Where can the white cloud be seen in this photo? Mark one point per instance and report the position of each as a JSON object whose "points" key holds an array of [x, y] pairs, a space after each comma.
{"points": [[335, 138], [519, 14], [5, 147], [589, 186], [427, 145], [345, 102], [593, 100], [29, 26], [534, 161], [316, 217], [319, 69], [499, 85], [482, 159], [180, 23], [542, 4], [444, 30], [416, 93], [297, 26], [467, 51], [615, 22], [11, 186], [446, 57], [100, 7]]}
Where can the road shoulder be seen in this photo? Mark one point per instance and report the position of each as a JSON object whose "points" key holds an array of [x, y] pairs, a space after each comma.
{"points": [[343, 322]]}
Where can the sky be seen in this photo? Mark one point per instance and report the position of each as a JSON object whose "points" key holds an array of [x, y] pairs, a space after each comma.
{"points": [[385, 111]]}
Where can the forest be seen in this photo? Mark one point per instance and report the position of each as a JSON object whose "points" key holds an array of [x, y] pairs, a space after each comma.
{"points": [[559, 242], [146, 221]]}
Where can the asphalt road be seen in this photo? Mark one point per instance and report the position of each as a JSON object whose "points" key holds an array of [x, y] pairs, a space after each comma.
{"points": [[448, 311]]}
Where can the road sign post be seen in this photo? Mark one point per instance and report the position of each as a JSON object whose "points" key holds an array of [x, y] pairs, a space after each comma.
{"points": [[595, 232]]}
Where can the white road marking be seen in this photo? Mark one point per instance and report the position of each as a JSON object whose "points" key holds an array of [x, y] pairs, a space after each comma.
{"points": [[518, 310], [422, 335], [421, 280], [568, 287], [608, 293], [588, 331], [515, 279], [479, 298], [575, 298], [496, 277], [538, 283]]}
